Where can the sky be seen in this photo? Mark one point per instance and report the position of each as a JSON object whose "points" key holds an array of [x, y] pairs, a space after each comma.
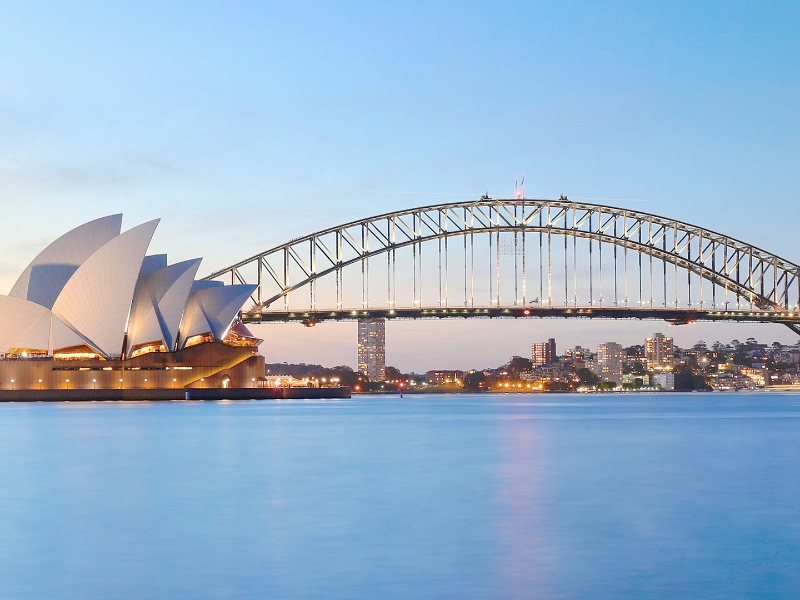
{"points": [[243, 125]]}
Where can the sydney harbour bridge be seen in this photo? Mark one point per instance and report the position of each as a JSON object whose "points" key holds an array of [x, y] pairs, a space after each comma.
{"points": [[519, 258]]}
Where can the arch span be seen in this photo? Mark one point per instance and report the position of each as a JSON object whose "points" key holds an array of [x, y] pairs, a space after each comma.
{"points": [[682, 272]]}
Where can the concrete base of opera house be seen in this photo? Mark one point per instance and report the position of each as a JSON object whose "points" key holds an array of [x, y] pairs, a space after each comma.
{"points": [[208, 371], [146, 395], [207, 365]]}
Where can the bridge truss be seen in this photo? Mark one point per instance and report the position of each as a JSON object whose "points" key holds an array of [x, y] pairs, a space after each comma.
{"points": [[519, 258]]}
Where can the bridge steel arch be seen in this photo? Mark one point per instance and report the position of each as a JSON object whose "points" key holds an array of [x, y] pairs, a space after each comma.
{"points": [[767, 285]]}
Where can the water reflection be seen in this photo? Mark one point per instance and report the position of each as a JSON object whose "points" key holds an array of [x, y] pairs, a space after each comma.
{"points": [[523, 559]]}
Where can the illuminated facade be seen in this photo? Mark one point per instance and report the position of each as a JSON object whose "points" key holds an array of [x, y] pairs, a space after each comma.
{"points": [[372, 348], [543, 353], [93, 301], [609, 361], [660, 351], [444, 377]]}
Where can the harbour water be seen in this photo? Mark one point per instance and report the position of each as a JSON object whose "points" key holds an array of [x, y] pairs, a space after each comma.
{"points": [[451, 496]]}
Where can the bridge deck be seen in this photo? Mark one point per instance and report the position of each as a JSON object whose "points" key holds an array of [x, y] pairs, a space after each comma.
{"points": [[674, 316]]}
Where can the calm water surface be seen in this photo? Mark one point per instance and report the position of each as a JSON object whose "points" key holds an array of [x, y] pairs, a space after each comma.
{"points": [[486, 496]]}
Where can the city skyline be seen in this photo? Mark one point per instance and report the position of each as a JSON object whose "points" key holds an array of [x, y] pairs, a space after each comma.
{"points": [[500, 338], [655, 365]]}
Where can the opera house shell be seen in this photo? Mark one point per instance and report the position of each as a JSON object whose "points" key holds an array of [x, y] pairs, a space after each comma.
{"points": [[94, 309]]}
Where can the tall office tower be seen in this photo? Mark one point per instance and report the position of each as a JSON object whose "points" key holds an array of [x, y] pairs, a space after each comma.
{"points": [[609, 361], [543, 353], [659, 351], [372, 348]]}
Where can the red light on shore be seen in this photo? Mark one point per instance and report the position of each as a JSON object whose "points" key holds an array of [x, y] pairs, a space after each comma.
{"points": [[526, 312]]}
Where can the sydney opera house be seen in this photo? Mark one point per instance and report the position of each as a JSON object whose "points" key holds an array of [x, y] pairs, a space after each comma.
{"points": [[94, 311]]}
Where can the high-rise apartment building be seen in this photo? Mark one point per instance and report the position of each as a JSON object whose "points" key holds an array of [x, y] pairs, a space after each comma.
{"points": [[372, 348], [608, 362], [659, 351], [543, 353]]}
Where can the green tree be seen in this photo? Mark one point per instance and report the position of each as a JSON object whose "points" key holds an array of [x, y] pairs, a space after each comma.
{"points": [[686, 380], [393, 373], [587, 377], [518, 364], [474, 381]]}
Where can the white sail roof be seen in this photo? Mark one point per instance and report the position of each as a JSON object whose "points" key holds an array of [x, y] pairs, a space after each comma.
{"points": [[96, 300], [17, 316], [63, 336], [153, 262], [212, 308], [50, 333], [27, 325], [37, 336], [159, 303], [43, 279], [93, 285]]}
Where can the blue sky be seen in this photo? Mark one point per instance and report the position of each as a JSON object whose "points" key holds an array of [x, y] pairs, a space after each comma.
{"points": [[245, 124]]}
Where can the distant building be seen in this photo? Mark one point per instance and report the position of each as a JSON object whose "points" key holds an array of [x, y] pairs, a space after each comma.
{"points": [[608, 362], [757, 376], [372, 348], [444, 377], [576, 354], [636, 378], [664, 379], [543, 353], [659, 351]]}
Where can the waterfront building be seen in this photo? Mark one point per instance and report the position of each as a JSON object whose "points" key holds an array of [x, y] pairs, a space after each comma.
{"points": [[664, 379], [93, 310], [372, 348], [659, 351], [642, 379], [609, 361], [757, 375], [543, 353], [724, 382], [444, 377]]}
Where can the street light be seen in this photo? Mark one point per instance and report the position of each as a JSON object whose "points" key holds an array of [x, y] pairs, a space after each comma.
{"points": [[12, 384]]}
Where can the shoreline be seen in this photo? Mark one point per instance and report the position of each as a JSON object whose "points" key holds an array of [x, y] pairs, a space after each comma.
{"points": [[169, 394]]}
